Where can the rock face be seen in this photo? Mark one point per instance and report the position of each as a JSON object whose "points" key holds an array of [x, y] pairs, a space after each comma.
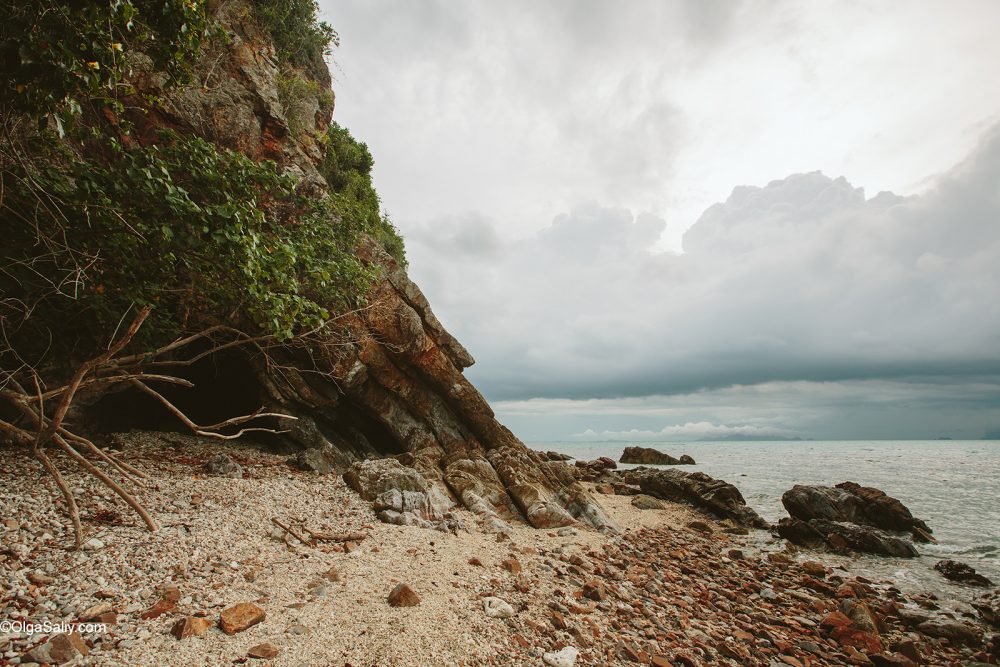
{"points": [[966, 574], [388, 382], [852, 503], [650, 456], [714, 496]]}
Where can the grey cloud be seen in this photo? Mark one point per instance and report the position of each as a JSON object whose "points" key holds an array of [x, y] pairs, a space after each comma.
{"points": [[802, 279]]}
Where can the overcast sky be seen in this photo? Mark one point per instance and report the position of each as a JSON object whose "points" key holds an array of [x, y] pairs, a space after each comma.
{"points": [[681, 220]]}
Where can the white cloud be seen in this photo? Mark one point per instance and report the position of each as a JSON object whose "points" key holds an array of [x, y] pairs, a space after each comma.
{"points": [[691, 431]]}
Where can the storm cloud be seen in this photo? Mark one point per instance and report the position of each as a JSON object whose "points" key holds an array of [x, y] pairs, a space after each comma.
{"points": [[802, 279], [564, 175]]}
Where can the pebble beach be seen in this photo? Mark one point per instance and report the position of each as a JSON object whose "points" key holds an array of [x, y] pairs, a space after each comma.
{"points": [[672, 587]]}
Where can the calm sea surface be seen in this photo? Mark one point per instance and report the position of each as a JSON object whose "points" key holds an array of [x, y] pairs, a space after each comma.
{"points": [[953, 485]]}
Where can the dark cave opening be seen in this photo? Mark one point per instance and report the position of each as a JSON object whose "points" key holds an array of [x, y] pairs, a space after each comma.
{"points": [[225, 386]]}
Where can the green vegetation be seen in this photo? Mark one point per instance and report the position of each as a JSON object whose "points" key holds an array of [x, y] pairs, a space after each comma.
{"points": [[204, 235], [58, 55], [347, 166], [95, 223], [301, 39]]}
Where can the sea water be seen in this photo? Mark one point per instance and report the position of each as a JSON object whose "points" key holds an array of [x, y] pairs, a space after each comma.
{"points": [[953, 485]]}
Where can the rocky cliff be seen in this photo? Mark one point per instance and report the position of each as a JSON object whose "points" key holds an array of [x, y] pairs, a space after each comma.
{"points": [[391, 383]]}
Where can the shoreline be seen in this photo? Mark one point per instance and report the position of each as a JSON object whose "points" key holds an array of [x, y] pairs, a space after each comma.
{"points": [[663, 591]]}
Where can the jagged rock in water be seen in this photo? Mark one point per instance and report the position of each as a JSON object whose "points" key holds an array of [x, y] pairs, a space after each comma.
{"points": [[715, 496], [852, 503], [650, 456], [988, 607], [556, 456], [840, 536], [966, 574]]}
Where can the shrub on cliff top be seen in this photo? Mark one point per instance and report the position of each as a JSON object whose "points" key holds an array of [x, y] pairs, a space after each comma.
{"points": [[300, 38], [347, 167]]}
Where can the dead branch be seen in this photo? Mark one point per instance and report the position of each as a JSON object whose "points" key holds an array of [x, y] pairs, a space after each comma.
{"points": [[291, 532], [210, 431], [110, 483], [336, 537]]}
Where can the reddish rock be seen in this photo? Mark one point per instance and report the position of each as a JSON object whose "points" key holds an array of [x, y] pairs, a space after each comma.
{"points": [[836, 620], [512, 565], [264, 651], [239, 617], [190, 626], [403, 596], [595, 590], [60, 649], [157, 610]]}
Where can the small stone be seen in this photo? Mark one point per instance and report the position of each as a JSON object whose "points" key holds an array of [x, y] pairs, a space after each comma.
{"points": [[92, 612], [476, 562], [157, 610], [60, 649], [223, 465], [93, 544], [512, 565], [263, 651], [563, 658], [497, 608], [700, 526], [566, 531], [239, 617], [595, 590], [39, 578], [333, 574], [403, 596], [813, 568], [190, 626]]}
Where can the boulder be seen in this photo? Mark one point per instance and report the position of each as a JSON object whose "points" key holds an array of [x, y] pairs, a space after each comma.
{"points": [[714, 496], [556, 456], [852, 503], [686, 460], [960, 572], [988, 607], [839, 536], [400, 494], [647, 456], [952, 630]]}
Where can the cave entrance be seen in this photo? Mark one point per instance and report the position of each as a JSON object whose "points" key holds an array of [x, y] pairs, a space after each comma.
{"points": [[225, 386]]}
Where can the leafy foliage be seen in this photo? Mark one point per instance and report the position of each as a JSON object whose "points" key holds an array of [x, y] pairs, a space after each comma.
{"points": [[204, 234], [301, 39], [94, 224], [56, 54], [347, 166]]}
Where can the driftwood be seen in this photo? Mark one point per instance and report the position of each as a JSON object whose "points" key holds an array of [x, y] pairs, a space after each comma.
{"points": [[291, 532], [38, 427], [337, 537]]}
